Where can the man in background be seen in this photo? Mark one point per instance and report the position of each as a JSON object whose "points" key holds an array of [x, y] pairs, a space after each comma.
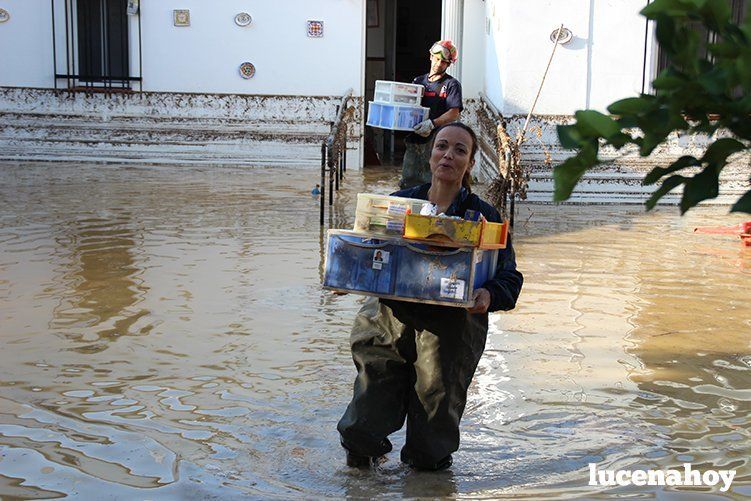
{"points": [[443, 95]]}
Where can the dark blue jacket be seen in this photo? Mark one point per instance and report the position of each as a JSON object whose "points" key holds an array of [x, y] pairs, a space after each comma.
{"points": [[506, 285]]}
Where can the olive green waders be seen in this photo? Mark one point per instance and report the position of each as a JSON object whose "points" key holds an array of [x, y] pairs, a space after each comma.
{"points": [[415, 166], [414, 361]]}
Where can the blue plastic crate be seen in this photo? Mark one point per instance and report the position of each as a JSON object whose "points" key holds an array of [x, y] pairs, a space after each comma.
{"points": [[395, 116], [398, 269], [358, 264], [442, 274]]}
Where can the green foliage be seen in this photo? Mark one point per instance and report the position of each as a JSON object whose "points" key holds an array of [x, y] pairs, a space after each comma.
{"points": [[704, 90]]}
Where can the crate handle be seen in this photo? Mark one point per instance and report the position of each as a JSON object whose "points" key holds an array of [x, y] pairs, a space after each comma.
{"points": [[362, 244], [434, 252]]}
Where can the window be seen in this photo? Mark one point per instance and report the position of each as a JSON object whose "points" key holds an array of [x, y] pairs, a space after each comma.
{"points": [[92, 45], [102, 29]]}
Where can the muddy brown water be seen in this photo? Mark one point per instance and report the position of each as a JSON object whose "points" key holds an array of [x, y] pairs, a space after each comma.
{"points": [[165, 336]]}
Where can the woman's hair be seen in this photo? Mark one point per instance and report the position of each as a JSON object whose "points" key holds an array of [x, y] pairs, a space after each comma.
{"points": [[475, 147]]}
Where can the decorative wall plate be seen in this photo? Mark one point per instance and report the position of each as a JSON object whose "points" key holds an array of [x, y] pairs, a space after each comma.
{"points": [[565, 38], [315, 29], [247, 70], [243, 19], [181, 17], [4, 15]]}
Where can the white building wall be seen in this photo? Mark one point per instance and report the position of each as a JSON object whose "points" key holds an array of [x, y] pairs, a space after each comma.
{"points": [[205, 56], [602, 63], [617, 51], [26, 44]]}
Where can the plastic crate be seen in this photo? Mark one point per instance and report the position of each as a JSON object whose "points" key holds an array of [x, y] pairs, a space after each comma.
{"points": [[395, 117], [398, 93], [382, 214], [359, 264], [397, 269]]}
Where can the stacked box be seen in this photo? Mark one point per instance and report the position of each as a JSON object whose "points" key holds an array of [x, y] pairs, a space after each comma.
{"points": [[456, 231], [395, 117], [398, 93], [384, 215], [396, 106]]}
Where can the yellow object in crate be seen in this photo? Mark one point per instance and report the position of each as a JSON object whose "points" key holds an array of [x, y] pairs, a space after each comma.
{"points": [[456, 232]]}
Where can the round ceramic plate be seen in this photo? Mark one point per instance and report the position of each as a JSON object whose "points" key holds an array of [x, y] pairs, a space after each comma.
{"points": [[4, 15], [247, 70], [243, 19]]}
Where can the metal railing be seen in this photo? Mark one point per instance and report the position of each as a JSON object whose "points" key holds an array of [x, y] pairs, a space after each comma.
{"points": [[334, 152]]}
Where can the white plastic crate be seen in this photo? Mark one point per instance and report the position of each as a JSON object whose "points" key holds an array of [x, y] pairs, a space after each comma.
{"points": [[395, 117], [384, 215], [398, 93]]}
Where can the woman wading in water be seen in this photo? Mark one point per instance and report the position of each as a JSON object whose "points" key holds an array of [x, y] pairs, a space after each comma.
{"points": [[415, 361]]}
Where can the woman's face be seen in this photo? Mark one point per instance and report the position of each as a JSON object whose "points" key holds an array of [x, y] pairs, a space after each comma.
{"points": [[450, 157]]}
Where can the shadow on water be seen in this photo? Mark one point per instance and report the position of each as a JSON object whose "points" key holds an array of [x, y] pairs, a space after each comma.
{"points": [[165, 335]]}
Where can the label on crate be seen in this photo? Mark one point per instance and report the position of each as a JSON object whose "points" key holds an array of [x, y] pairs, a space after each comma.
{"points": [[380, 257], [452, 288], [397, 226], [396, 209]]}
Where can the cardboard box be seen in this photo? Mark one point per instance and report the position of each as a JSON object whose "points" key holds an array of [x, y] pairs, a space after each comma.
{"points": [[456, 232]]}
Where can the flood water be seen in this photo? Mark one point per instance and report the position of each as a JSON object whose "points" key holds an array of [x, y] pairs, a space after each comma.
{"points": [[165, 336]]}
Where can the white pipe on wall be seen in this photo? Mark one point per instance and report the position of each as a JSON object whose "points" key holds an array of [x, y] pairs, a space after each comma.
{"points": [[452, 28]]}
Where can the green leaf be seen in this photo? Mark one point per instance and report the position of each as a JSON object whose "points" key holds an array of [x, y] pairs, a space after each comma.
{"points": [[702, 186], [594, 124], [718, 152], [665, 33], [627, 122], [669, 7], [715, 81], [724, 49], [620, 140], [569, 136], [567, 174], [667, 81], [667, 185], [631, 105], [658, 172], [716, 13], [651, 140], [743, 204]]}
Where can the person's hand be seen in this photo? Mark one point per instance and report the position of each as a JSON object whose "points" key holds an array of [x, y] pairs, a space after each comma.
{"points": [[482, 301], [424, 128]]}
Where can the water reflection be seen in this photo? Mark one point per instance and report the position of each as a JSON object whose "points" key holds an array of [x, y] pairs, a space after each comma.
{"points": [[101, 287], [165, 336], [693, 343]]}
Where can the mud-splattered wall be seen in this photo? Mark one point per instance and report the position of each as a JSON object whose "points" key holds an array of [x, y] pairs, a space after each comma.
{"points": [[617, 180], [147, 127]]}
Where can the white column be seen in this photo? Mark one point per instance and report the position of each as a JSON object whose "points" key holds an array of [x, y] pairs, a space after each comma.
{"points": [[452, 28]]}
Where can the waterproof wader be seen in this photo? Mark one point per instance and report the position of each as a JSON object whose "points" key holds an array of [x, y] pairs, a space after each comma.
{"points": [[415, 166], [414, 361]]}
